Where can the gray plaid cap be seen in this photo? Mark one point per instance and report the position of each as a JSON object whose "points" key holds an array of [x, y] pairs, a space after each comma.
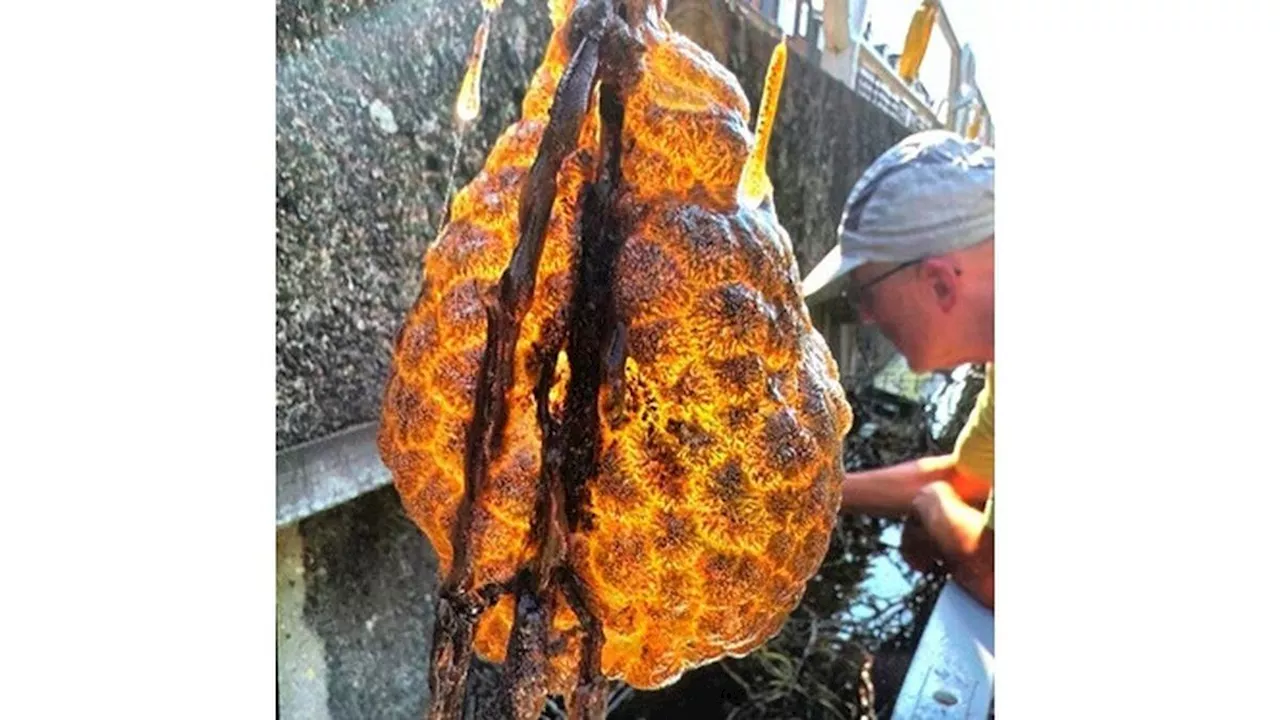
{"points": [[932, 193]]}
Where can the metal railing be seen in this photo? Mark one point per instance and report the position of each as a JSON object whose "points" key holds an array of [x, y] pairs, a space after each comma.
{"points": [[870, 74], [325, 473]]}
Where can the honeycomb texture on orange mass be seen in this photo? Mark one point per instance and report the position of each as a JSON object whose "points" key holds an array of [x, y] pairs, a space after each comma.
{"points": [[719, 474]]}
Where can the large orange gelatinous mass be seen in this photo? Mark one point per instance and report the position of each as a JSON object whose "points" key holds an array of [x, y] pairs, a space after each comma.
{"points": [[719, 461]]}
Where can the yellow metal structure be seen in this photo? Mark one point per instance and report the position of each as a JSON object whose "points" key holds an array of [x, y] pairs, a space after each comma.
{"points": [[975, 127], [917, 40]]}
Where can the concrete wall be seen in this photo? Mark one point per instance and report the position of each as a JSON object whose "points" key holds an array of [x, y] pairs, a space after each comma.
{"points": [[354, 608], [364, 140]]}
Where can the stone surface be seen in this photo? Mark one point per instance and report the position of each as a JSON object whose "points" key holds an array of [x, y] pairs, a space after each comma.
{"points": [[364, 143], [302, 682], [355, 606]]}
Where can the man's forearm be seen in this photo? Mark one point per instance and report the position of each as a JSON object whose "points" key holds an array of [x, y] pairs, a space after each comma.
{"points": [[887, 492]]}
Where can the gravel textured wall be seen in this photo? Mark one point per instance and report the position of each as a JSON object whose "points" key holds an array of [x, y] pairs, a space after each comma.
{"points": [[364, 141]]}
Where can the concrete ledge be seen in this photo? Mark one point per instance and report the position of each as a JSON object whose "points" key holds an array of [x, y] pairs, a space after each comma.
{"points": [[325, 473]]}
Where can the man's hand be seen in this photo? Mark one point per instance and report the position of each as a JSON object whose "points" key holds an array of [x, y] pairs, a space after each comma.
{"points": [[941, 527], [917, 548]]}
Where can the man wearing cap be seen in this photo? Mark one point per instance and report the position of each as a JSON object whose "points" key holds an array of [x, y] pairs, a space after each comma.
{"points": [[916, 259]]}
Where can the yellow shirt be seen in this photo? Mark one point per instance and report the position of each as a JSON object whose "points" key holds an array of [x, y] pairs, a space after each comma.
{"points": [[975, 450]]}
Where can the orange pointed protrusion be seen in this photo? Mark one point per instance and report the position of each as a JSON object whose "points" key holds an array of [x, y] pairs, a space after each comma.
{"points": [[560, 10], [467, 109], [755, 185]]}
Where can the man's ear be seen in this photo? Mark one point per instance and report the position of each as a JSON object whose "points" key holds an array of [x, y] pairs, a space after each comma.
{"points": [[942, 276]]}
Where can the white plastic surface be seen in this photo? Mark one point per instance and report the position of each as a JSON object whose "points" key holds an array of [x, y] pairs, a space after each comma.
{"points": [[952, 674]]}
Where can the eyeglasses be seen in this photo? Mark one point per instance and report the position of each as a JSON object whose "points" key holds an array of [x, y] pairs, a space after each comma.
{"points": [[858, 296]]}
